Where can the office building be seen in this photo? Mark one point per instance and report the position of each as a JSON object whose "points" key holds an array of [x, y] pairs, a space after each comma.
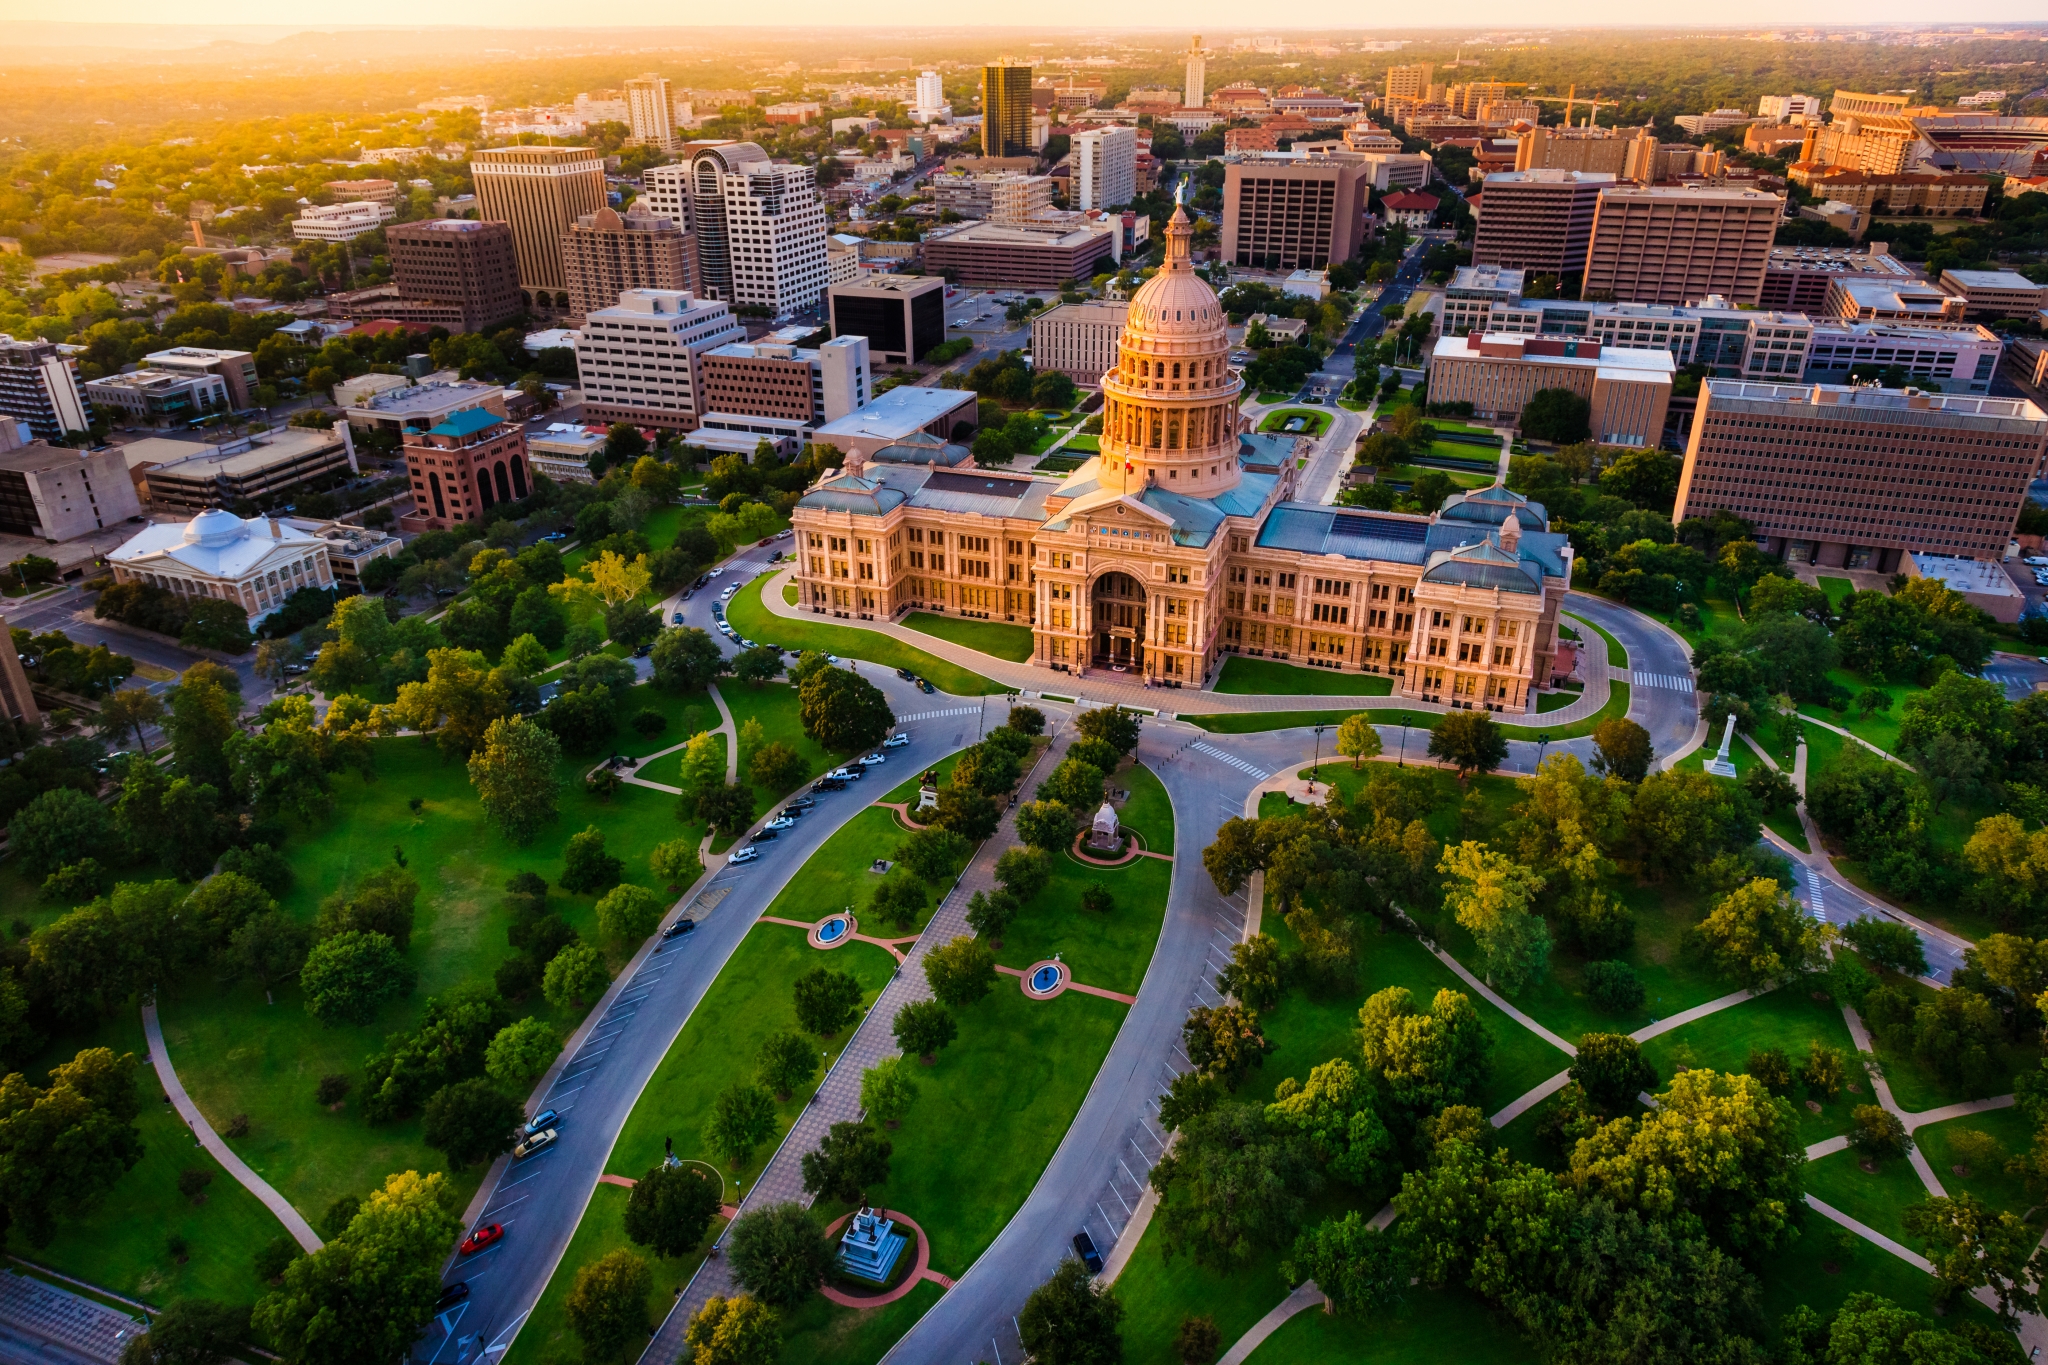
{"points": [[902, 414], [1004, 194], [462, 466], [1856, 477], [1673, 245], [235, 369], [930, 104], [1995, 293], [772, 377], [1948, 359], [640, 360], [1193, 90], [1105, 167], [1923, 195], [1798, 276], [1497, 373], [462, 273], [1034, 255], [364, 191], [1407, 82], [665, 193], [1502, 112], [39, 386], [901, 316], [1078, 339], [539, 191], [1538, 221], [1713, 121], [154, 396], [340, 222], [564, 451], [55, 493], [405, 407], [1287, 215], [608, 252], [1006, 109], [194, 475], [1788, 108], [256, 564], [760, 228], [350, 548], [1468, 98], [793, 113], [1862, 298], [650, 112], [1624, 153]]}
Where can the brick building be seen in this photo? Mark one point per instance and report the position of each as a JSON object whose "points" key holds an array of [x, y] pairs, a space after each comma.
{"points": [[466, 267], [606, 253], [462, 467]]}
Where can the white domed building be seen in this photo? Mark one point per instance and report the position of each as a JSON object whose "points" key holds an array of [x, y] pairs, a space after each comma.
{"points": [[1179, 543], [255, 562]]}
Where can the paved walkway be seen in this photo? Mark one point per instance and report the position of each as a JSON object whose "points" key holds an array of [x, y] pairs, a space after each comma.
{"points": [[160, 1057], [1302, 1299], [60, 1326]]}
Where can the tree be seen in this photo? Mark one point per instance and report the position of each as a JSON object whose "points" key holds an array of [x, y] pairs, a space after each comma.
{"points": [[851, 1159], [574, 975], [1611, 1070], [1624, 749], [1430, 1059], [1897, 947], [190, 1332], [671, 1208], [736, 1331], [59, 827], [1024, 872], [703, 765], [1951, 766], [607, 1307], [456, 702], [628, 913], [776, 767], [779, 1253], [1359, 1268], [269, 946], [827, 1000], [1333, 1113], [363, 1296], [685, 659], [1198, 1342], [1253, 975], [470, 1121], [521, 1052], [1233, 1187], [757, 665], [66, 1146], [742, 1118], [933, 853], [966, 812], [1069, 1320], [887, 1091], [1490, 895], [786, 1062], [1758, 934], [1224, 1042], [1877, 1132], [843, 711], [514, 777], [923, 1027], [348, 977], [1469, 741], [382, 902], [1681, 818], [586, 866], [1972, 1246], [131, 711], [1075, 784], [1113, 725], [1559, 416], [960, 972], [1047, 825], [989, 913], [899, 900], [674, 861], [1357, 739]]}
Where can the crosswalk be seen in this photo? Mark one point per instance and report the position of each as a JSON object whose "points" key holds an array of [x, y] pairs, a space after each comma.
{"points": [[1204, 747], [1676, 682], [934, 715], [2015, 682]]}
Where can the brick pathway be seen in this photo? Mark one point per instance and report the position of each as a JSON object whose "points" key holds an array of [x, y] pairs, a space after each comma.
{"points": [[838, 1098], [75, 1325]]}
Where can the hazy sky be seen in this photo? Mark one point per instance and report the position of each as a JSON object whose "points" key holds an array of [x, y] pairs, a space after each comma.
{"points": [[1204, 15]]}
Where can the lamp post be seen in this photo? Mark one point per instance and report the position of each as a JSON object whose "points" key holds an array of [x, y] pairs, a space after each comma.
{"points": [[1318, 760], [1404, 742], [1542, 742]]}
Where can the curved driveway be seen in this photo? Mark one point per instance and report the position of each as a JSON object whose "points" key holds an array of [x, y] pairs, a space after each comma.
{"points": [[1661, 697]]}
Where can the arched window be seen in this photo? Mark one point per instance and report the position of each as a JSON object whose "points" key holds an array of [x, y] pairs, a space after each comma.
{"points": [[483, 487], [518, 477], [1176, 369], [434, 482], [504, 483], [1158, 434]]}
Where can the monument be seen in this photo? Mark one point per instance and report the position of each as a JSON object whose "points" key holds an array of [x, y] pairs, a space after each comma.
{"points": [[870, 1247], [1719, 765], [928, 791], [1103, 832]]}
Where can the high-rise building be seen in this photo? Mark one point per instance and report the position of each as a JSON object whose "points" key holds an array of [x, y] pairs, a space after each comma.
{"points": [[640, 360], [1006, 109], [1407, 82], [1660, 244], [466, 266], [55, 493], [1784, 108], [902, 316], [931, 106], [1537, 221], [1105, 167], [665, 193], [16, 700], [759, 226], [39, 385], [1192, 90], [1857, 476], [539, 191], [608, 252], [1293, 215], [650, 112]]}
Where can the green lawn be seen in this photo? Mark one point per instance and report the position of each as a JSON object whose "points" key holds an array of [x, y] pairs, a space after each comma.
{"points": [[1617, 657], [1408, 473], [1247, 676], [1788, 1019], [1825, 1263], [1159, 1292], [1839, 590], [1148, 811], [1110, 949], [997, 638], [668, 769], [1917, 1087], [905, 792], [1315, 423], [1062, 463], [1256, 722], [775, 705], [1556, 701], [1428, 1328], [546, 1338], [836, 877], [1878, 1201], [1989, 1182], [818, 1330], [1783, 822], [751, 619]]}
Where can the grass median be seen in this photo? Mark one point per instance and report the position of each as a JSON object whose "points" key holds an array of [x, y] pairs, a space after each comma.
{"points": [[752, 619], [1245, 676], [1258, 722], [998, 639]]}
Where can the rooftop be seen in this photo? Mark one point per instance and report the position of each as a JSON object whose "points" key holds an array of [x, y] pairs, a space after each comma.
{"points": [[433, 397], [468, 422], [216, 542], [203, 460], [1966, 575], [38, 456], [1548, 177], [1991, 279], [1839, 260], [1870, 399], [897, 413]]}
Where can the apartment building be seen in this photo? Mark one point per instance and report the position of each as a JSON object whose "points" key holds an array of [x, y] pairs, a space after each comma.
{"points": [[774, 378], [1657, 244], [901, 316], [1875, 144], [1497, 373], [158, 395], [1925, 195], [1106, 166], [1538, 221], [1407, 82], [39, 386], [463, 466], [539, 192], [1857, 477], [55, 493], [466, 268], [640, 360], [1995, 293], [608, 252], [1624, 153], [1293, 214], [1005, 196], [340, 222], [650, 112], [1078, 339]]}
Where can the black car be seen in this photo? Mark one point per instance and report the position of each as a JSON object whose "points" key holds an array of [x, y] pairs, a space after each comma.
{"points": [[701, 581], [906, 675], [799, 803], [765, 836], [829, 784], [1084, 1247], [679, 928], [452, 1295], [643, 651], [925, 685]]}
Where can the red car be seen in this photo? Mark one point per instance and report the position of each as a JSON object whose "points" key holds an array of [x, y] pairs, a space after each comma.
{"points": [[481, 1238]]}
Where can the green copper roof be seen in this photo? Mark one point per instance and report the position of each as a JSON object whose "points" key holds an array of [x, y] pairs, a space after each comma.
{"points": [[468, 422]]}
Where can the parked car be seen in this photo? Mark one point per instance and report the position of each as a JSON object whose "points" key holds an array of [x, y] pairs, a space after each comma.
{"points": [[2038, 561], [554, 537], [785, 533], [829, 783], [484, 1236], [744, 855], [778, 824], [873, 760], [765, 835], [451, 1295], [730, 589], [702, 579], [925, 685], [897, 740], [1084, 1247], [541, 1122], [800, 803], [715, 573], [906, 675], [678, 929], [642, 651], [538, 1142]]}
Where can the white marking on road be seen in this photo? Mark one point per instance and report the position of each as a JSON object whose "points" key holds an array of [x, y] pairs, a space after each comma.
{"points": [[1221, 756], [935, 715], [1676, 682]]}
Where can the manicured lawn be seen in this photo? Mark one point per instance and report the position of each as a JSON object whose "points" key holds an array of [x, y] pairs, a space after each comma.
{"points": [[837, 878], [123, 1242], [775, 705], [546, 1338], [751, 619], [668, 769], [1148, 811], [1086, 442], [1878, 1201], [1274, 398], [1408, 473], [818, 1330], [1839, 590], [998, 638], [752, 998], [1159, 1292], [1428, 1328], [1313, 423], [905, 792], [1617, 657], [1246, 676], [1110, 949], [1555, 701], [1825, 1263], [1062, 463], [1783, 822], [1788, 1019], [1989, 1181], [1255, 722]]}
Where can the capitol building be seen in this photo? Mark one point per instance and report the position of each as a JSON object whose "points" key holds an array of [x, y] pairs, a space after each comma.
{"points": [[1180, 543]]}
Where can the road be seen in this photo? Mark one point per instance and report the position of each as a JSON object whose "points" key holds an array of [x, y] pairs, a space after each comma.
{"points": [[1659, 674]]}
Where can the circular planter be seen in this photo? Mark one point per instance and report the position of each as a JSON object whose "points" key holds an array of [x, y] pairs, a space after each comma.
{"points": [[848, 1298], [1134, 844], [834, 931]]}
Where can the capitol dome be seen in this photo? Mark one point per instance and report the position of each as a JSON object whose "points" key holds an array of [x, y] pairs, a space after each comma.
{"points": [[214, 527]]}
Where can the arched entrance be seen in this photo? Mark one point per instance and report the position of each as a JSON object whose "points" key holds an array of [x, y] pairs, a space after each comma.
{"points": [[1118, 615]]}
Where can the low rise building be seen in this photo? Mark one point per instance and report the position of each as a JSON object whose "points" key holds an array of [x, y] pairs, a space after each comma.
{"points": [[564, 451], [1923, 195], [1797, 277], [640, 361], [255, 563], [350, 548], [462, 467], [1995, 293], [56, 493], [1867, 299], [154, 396], [898, 415], [773, 377], [1078, 339], [902, 316], [1411, 210], [1953, 359], [406, 407], [1985, 585], [339, 222], [1014, 255], [195, 475], [364, 192], [1497, 373], [235, 369]]}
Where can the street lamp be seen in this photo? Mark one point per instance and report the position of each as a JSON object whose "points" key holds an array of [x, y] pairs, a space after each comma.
{"points": [[1318, 759], [1542, 742], [1404, 742]]}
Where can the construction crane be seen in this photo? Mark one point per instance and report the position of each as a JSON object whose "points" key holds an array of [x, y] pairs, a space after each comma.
{"points": [[1571, 99]]}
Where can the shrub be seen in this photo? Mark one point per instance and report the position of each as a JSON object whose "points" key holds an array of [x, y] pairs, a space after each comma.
{"points": [[332, 1089], [1876, 1131], [1614, 986], [1096, 899]]}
